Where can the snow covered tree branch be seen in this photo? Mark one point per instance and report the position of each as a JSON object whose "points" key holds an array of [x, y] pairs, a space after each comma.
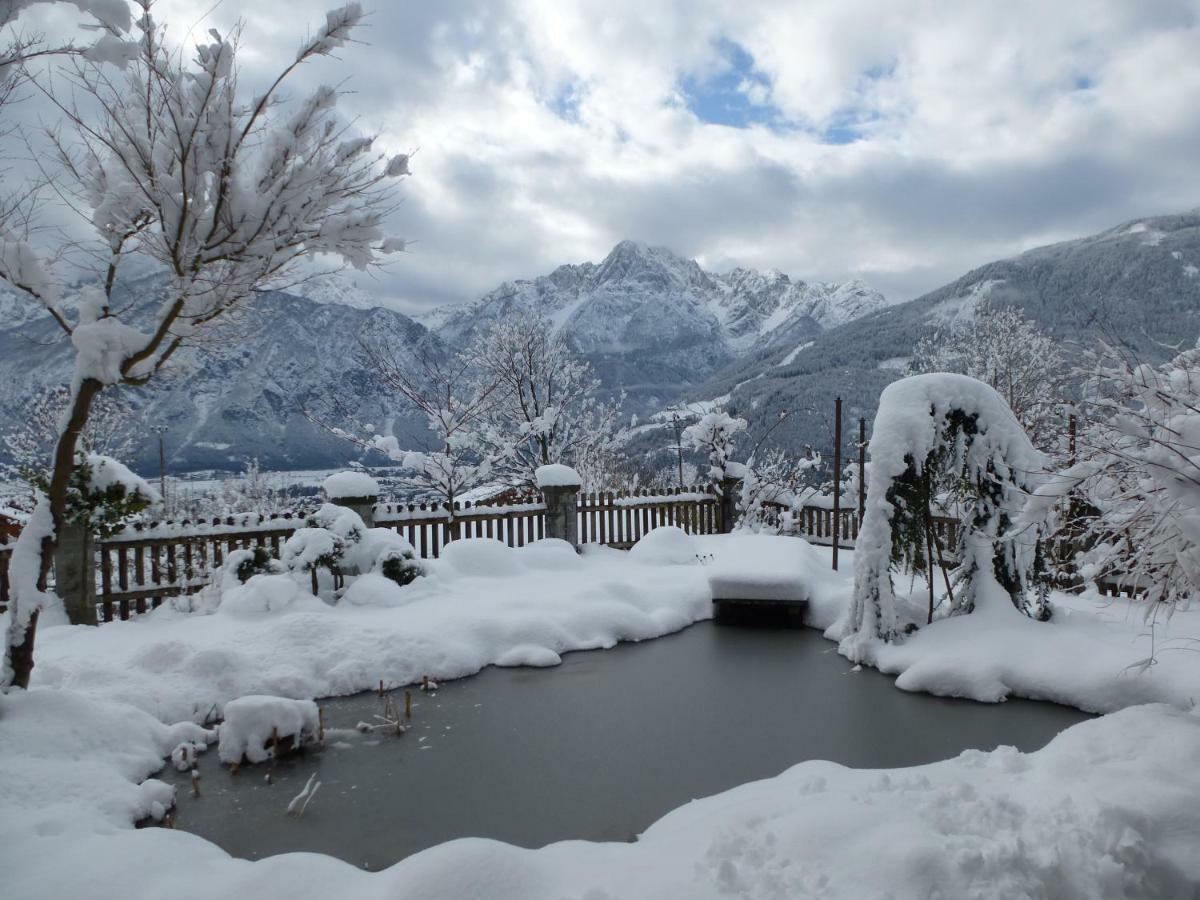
{"points": [[1136, 519], [546, 408], [454, 399], [1002, 348]]}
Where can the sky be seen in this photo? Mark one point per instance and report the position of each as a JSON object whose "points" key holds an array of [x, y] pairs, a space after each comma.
{"points": [[899, 142]]}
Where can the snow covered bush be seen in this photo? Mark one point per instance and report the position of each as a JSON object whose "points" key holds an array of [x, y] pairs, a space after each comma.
{"points": [[337, 539], [714, 436], [245, 564], [928, 425], [773, 491], [1136, 485], [103, 494]]}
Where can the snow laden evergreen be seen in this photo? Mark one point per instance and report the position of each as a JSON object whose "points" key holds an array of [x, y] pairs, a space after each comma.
{"points": [[226, 193], [1130, 505], [929, 426]]}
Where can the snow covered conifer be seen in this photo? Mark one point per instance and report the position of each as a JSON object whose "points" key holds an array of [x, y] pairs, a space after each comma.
{"points": [[927, 426], [224, 193]]}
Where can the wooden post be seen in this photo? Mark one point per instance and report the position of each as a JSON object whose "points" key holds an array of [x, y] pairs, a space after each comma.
{"points": [[1071, 426], [837, 478]]}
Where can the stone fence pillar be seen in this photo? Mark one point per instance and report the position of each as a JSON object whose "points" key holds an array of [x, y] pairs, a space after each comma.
{"points": [[75, 573], [727, 503], [354, 490], [560, 491]]}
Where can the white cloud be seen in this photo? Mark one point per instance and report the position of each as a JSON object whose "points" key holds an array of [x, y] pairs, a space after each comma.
{"points": [[548, 131]]}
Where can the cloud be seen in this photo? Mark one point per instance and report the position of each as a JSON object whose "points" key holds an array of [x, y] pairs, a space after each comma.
{"points": [[898, 141]]}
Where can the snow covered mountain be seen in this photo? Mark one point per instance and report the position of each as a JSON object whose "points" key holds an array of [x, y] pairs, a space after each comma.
{"points": [[1136, 285], [652, 322], [238, 398]]}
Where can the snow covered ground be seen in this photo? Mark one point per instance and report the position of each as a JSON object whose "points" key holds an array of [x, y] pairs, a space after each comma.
{"points": [[1109, 809]]}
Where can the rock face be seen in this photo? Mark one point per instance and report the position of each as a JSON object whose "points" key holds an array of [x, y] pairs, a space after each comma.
{"points": [[1136, 285]]}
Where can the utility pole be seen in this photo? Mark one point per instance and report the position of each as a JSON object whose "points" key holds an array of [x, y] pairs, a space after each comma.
{"points": [[678, 446], [160, 430]]}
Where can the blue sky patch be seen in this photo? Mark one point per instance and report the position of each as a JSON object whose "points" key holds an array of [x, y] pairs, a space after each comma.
{"points": [[735, 95]]}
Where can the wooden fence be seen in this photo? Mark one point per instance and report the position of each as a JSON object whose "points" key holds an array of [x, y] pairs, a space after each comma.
{"points": [[143, 565]]}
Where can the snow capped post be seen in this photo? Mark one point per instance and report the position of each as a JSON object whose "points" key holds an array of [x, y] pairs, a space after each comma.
{"points": [[559, 485], [357, 491]]}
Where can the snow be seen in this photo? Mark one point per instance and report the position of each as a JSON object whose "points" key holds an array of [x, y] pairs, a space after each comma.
{"points": [[791, 357], [1107, 809], [476, 603], [557, 475], [351, 485], [667, 546], [252, 722]]}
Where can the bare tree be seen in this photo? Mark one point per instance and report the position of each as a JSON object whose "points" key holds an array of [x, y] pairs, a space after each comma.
{"points": [[1002, 348], [225, 194], [454, 400], [547, 407]]}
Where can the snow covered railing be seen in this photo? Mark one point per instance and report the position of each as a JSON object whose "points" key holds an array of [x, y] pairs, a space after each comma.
{"points": [[620, 519], [430, 526], [144, 564]]}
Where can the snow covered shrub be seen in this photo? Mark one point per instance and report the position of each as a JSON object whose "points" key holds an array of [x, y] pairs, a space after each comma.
{"points": [[1134, 494], [387, 553], [713, 435], [773, 491], [929, 425], [248, 563], [102, 493], [309, 549]]}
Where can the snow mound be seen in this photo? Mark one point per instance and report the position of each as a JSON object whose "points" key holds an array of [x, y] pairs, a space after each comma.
{"points": [[478, 556], [350, 485], [251, 723], [374, 589], [557, 475], [529, 655], [268, 594], [549, 553], [666, 545]]}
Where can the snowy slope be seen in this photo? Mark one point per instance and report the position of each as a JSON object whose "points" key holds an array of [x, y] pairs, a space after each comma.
{"points": [[1137, 284]]}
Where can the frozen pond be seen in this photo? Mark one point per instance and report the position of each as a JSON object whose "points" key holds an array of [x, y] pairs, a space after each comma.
{"points": [[597, 748]]}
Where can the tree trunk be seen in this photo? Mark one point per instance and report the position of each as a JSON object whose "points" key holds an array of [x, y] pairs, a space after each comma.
{"points": [[20, 655]]}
